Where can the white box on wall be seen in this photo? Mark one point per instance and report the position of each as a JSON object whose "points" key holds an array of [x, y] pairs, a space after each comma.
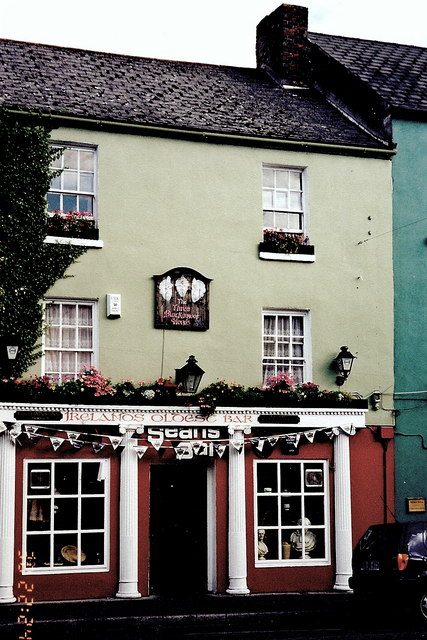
{"points": [[114, 305]]}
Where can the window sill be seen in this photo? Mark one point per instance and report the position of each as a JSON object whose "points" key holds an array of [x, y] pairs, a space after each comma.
{"points": [[283, 564], [40, 571], [78, 242], [287, 257]]}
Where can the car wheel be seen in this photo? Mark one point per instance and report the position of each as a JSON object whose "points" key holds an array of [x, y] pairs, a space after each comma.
{"points": [[422, 604]]}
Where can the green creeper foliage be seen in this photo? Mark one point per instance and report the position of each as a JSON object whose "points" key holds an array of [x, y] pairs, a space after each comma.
{"points": [[28, 266]]}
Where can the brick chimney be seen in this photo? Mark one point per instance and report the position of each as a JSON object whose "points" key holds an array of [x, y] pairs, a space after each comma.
{"points": [[282, 45]]}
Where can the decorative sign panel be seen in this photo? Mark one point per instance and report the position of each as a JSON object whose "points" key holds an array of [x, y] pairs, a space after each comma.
{"points": [[181, 300], [416, 505]]}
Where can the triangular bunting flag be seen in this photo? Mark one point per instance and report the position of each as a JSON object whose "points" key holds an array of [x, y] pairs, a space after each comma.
{"points": [[73, 435], [259, 443], [329, 433], [237, 445], [2, 427], [310, 435], [273, 440], [56, 442], [156, 442], [31, 429], [220, 449], [200, 448], [197, 447], [77, 444], [115, 441], [290, 443], [179, 452], [97, 446], [141, 451]]}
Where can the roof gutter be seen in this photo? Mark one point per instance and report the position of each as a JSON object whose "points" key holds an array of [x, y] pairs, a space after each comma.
{"points": [[213, 137]]}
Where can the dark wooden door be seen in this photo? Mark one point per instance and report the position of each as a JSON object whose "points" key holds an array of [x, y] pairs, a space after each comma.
{"points": [[178, 538]]}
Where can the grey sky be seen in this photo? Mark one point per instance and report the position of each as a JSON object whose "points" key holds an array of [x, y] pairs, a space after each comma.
{"points": [[216, 31]]}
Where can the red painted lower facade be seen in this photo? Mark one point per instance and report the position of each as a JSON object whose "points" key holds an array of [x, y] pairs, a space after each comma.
{"points": [[372, 499]]}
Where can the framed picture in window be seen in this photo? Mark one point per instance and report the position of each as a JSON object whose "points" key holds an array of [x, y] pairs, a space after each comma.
{"points": [[314, 478]]}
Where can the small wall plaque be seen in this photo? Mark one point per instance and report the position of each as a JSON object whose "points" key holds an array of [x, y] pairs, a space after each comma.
{"points": [[181, 300], [416, 505]]}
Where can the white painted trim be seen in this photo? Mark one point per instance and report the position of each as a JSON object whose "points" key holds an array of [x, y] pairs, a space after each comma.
{"points": [[287, 257], [87, 415], [104, 568], [211, 529], [7, 518], [95, 326], [128, 517], [343, 516], [326, 529], [307, 350], [237, 541], [77, 242]]}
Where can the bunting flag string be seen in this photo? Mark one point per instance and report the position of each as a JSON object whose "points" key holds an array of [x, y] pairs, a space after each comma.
{"points": [[185, 449]]}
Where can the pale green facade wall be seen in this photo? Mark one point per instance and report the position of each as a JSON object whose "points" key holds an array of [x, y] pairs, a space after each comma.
{"points": [[165, 203]]}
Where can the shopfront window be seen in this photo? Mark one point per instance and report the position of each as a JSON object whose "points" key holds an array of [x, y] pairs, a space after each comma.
{"points": [[291, 513], [65, 507]]}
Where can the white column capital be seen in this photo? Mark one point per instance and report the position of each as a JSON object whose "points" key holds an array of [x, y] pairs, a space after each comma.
{"points": [[128, 429], [238, 430]]}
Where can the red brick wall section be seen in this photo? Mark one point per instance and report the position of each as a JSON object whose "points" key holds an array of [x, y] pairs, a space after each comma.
{"points": [[282, 45]]}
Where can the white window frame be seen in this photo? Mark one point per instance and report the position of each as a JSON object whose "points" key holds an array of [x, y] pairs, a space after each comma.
{"points": [[72, 146], [287, 529], [278, 360], [303, 213], [93, 351], [83, 242], [78, 568]]}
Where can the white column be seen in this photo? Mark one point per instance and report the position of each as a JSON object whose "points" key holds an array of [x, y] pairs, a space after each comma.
{"points": [[343, 533], [128, 524], [237, 567], [7, 517]]}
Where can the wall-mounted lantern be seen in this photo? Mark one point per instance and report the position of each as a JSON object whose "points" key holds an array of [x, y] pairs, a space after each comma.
{"points": [[9, 347], [343, 364], [189, 376]]}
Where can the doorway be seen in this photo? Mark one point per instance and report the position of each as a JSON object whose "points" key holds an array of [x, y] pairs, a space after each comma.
{"points": [[178, 528]]}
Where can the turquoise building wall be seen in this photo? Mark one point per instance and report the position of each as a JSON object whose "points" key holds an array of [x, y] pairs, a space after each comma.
{"points": [[410, 284]]}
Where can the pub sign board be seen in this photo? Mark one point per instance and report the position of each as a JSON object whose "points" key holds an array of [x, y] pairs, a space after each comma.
{"points": [[181, 300]]}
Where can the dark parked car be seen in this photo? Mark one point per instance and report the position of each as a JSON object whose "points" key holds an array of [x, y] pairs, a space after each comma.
{"points": [[390, 561]]}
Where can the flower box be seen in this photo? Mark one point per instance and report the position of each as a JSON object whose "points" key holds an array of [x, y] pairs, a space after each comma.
{"points": [[74, 224], [282, 245], [272, 247]]}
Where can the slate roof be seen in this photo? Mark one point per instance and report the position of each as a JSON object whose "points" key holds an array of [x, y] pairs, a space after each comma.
{"points": [[173, 95], [397, 72]]}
